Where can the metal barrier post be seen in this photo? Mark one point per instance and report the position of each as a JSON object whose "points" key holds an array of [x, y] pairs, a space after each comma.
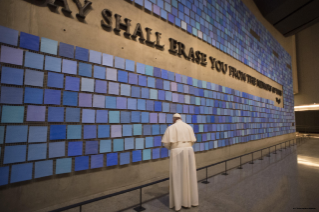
{"points": [[268, 152], [80, 208], [240, 167], [275, 150], [261, 154], [205, 181], [280, 147], [252, 158], [225, 173], [140, 208]]}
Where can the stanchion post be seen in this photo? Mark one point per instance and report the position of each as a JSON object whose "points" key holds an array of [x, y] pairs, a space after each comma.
{"points": [[275, 149], [268, 152], [280, 147], [240, 167], [206, 181], [225, 173], [140, 207], [261, 154], [252, 158]]}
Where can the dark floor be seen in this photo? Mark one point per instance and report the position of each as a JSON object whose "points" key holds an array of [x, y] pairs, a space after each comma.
{"points": [[282, 182]]}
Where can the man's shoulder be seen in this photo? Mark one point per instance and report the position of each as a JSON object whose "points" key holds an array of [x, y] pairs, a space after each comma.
{"points": [[185, 124]]}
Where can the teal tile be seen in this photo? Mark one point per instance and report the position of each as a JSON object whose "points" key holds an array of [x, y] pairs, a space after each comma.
{"points": [[63, 165], [74, 132], [12, 114], [147, 154], [105, 146]]}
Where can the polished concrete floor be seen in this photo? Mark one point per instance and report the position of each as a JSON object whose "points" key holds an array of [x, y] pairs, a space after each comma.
{"points": [[282, 182]]}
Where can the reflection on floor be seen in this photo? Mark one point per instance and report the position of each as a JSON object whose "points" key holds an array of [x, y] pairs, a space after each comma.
{"points": [[286, 180]]}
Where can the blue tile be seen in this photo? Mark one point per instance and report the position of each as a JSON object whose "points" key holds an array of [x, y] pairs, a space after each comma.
{"points": [[43, 168], [89, 131], [16, 134], [72, 115], [37, 151], [85, 69], [75, 148], [15, 154], [52, 97], [66, 50], [11, 95], [91, 147], [56, 149], [122, 76], [29, 41], [125, 158], [57, 132], [55, 80], [21, 172], [55, 114], [137, 156], [72, 83], [33, 60], [97, 161], [34, 78], [119, 63], [101, 116], [81, 54], [4, 171], [130, 65], [99, 72], [81, 163], [13, 76], [9, 36], [53, 64], [70, 98], [103, 131], [111, 159], [33, 95]]}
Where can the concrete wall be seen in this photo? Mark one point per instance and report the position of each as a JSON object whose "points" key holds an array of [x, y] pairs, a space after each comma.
{"points": [[32, 17], [288, 43], [308, 78]]}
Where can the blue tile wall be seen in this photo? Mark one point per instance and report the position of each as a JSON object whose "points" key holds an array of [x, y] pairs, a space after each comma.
{"points": [[95, 110]]}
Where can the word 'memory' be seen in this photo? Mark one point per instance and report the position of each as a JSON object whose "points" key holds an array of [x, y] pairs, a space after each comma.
{"points": [[126, 27]]}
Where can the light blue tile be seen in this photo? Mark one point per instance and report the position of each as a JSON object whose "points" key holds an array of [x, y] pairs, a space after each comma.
{"points": [[49, 46], [33, 60], [53, 64]]}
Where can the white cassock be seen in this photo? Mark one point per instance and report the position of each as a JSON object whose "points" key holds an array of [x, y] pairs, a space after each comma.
{"points": [[183, 191]]}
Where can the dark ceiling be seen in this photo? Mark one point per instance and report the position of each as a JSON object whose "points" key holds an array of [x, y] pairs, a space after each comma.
{"points": [[289, 16]]}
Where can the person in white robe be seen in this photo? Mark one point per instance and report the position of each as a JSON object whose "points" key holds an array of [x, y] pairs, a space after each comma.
{"points": [[183, 188]]}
